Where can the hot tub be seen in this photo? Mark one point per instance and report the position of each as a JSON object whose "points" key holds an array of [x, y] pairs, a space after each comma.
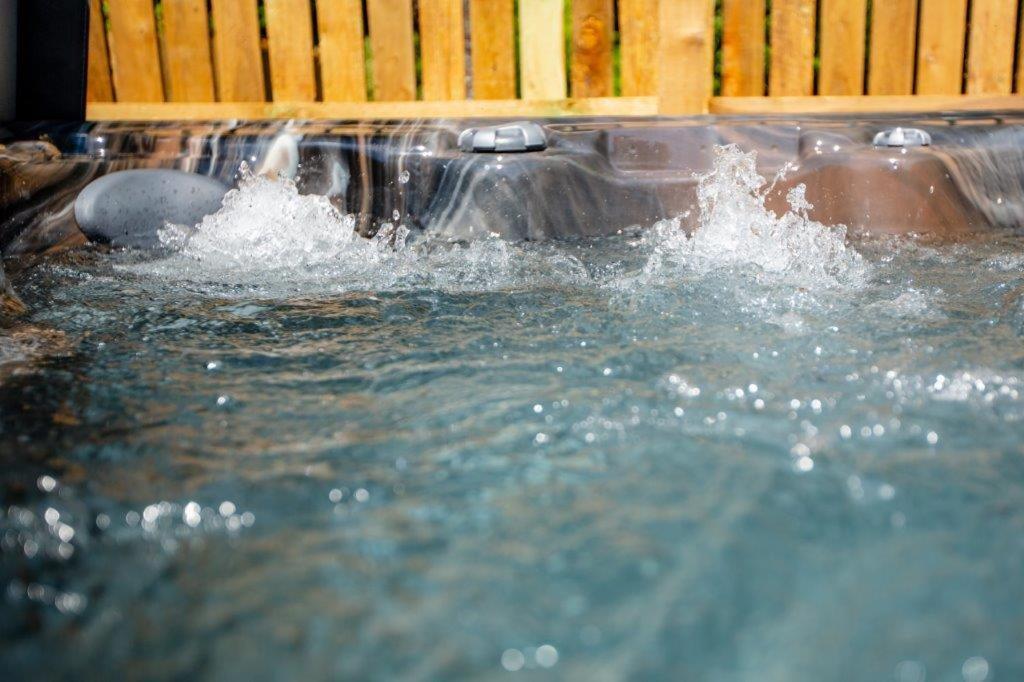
{"points": [[677, 399]]}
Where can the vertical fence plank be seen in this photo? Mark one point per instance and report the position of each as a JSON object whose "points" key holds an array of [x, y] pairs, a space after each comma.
{"points": [[290, 43], [394, 63], [98, 86], [442, 48], [237, 61], [991, 47], [591, 70], [638, 37], [342, 58], [638, 44], [492, 29], [940, 51], [542, 49], [188, 73], [134, 58], [743, 48], [686, 47], [843, 33], [893, 32], [792, 40]]}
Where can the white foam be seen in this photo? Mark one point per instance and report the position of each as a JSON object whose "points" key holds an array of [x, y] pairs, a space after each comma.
{"points": [[911, 303], [266, 226], [737, 230], [1007, 262], [269, 237]]}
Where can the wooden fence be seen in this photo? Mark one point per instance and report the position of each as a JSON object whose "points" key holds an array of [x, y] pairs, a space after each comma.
{"points": [[195, 59]]}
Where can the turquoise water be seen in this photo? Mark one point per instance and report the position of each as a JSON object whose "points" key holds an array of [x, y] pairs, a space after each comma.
{"points": [[643, 457]]}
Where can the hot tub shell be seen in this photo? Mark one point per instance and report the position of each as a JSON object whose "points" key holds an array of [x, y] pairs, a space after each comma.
{"points": [[596, 177]]}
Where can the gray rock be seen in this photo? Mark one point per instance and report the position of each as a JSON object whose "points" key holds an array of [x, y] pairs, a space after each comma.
{"points": [[127, 208]]}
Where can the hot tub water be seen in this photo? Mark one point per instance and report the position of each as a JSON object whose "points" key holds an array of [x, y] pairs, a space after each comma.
{"points": [[766, 451]]}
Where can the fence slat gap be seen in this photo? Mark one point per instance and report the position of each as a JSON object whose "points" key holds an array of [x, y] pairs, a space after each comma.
{"points": [[1019, 77]]}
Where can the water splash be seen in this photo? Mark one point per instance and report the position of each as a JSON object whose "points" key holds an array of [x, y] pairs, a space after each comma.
{"points": [[267, 236], [737, 230], [911, 303], [266, 226]]}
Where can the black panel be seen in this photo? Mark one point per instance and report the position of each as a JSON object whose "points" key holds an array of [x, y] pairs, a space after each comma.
{"points": [[53, 40]]}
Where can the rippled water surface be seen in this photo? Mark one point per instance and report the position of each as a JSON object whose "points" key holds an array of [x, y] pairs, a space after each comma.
{"points": [[766, 452]]}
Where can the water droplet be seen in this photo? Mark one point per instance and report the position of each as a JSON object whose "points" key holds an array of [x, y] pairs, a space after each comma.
{"points": [[975, 669], [803, 465], [150, 513], [512, 660], [191, 514], [546, 656]]}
